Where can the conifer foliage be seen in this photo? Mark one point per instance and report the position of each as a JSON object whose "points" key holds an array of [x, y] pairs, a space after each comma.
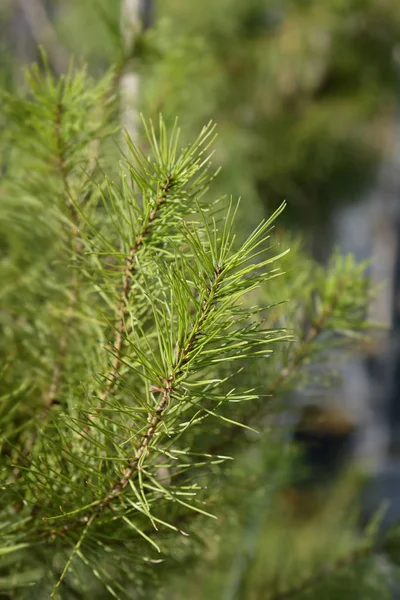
{"points": [[133, 329]]}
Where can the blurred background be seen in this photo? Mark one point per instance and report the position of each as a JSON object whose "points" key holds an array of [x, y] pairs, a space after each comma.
{"points": [[306, 97]]}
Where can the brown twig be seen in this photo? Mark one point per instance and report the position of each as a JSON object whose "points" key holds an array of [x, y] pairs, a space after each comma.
{"points": [[76, 245], [119, 487], [123, 310]]}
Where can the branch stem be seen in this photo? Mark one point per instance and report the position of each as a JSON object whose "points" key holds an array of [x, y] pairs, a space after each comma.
{"points": [[123, 308]]}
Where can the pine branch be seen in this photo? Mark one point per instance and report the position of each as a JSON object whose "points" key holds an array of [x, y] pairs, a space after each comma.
{"points": [[50, 397], [213, 321], [301, 353], [303, 349], [165, 391], [172, 176], [169, 386], [174, 293], [59, 155], [349, 561]]}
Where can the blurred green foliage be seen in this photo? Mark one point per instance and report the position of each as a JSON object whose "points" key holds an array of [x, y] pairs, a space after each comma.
{"points": [[304, 93]]}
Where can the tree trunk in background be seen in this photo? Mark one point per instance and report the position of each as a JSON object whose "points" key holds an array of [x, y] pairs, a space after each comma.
{"points": [[386, 255], [367, 229], [129, 83], [136, 16], [21, 42], [43, 33], [394, 379]]}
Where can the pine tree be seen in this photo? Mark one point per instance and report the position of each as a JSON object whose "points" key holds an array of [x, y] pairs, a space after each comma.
{"points": [[142, 347]]}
